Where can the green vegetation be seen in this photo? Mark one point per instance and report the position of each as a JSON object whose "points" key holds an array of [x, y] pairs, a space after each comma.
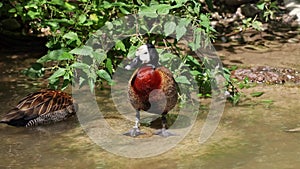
{"points": [[69, 24]]}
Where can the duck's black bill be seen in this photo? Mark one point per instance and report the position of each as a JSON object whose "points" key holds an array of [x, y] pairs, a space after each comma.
{"points": [[133, 64]]}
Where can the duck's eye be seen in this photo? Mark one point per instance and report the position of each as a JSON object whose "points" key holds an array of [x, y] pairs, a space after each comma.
{"points": [[145, 52]]}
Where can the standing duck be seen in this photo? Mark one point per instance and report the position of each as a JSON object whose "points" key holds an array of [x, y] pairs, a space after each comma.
{"points": [[43, 107], [151, 88]]}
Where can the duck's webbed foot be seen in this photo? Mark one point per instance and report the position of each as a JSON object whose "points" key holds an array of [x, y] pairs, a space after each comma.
{"points": [[134, 132], [164, 132]]}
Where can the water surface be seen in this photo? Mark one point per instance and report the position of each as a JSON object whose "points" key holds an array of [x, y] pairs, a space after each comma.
{"points": [[251, 135]]}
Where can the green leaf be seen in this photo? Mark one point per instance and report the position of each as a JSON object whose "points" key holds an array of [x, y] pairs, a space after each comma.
{"points": [[69, 6], [91, 84], [13, 10], [205, 21], [267, 101], [194, 72], [56, 55], [169, 28], [58, 73], [70, 35], [148, 11], [124, 11], [68, 75], [109, 65], [35, 71], [231, 68], [274, 5], [131, 52], [193, 60], [120, 46], [246, 21], [256, 94], [104, 75], [79, 65], [56, 2], [81, 80], [65, 84], [166, 56], [83, 50], [51, 56], [261, 6], [32, 14], [1, 4], [257, 25], [99, 56], [181, 1], [162, 9], [109, 25], [196, 39], [88, 23], [92, 75], [106, 5], [54, 25], [65, 56], [182, 79], [119, 4], [184, 22], [54, 84], [144, 27], [84, 67], [180, 31], [118, 23], [81, 19]]}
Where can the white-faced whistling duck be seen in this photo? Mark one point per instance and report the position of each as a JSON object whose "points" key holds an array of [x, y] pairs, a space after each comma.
{"points": [[151, 88]]}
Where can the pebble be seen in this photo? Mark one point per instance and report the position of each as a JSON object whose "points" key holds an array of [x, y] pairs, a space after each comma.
{"points": [[267, 74]]}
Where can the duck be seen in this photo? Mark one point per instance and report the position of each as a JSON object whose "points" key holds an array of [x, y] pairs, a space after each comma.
{"points": [[151, 88], [42, 107]]}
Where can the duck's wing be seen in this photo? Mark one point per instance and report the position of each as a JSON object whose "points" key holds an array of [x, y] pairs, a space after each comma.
{"points": [[169, 86], [165, 71], [132, 78], [167, 75]]}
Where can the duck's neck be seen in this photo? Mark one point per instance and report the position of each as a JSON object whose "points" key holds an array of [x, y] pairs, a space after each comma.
{"points": [[149, 64]]}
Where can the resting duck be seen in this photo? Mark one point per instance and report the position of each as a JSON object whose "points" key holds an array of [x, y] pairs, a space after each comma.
{"points": [[43, 107], [151, 88]]}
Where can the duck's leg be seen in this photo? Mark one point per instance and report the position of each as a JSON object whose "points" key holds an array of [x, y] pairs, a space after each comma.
{"points": [[294, 130], [135, 131], [164, 132]]}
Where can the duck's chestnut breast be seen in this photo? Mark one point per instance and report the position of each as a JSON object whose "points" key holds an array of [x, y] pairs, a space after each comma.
{"points": [[146, 80]]}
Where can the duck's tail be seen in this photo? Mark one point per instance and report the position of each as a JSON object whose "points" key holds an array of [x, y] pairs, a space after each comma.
{"points": [[14, 117]]}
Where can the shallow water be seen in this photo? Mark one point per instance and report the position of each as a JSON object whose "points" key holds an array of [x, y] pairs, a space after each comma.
{"points": [[251, 135]]}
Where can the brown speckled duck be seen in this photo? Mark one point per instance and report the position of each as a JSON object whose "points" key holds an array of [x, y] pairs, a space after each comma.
{"points": [[43, 107], [151, 88]]}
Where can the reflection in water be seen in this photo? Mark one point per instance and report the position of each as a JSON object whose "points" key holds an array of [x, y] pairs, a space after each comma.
{"points": [[37, 147]]}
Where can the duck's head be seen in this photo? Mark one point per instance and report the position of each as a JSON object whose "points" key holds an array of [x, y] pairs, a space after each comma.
{"points": [[145, 55]]}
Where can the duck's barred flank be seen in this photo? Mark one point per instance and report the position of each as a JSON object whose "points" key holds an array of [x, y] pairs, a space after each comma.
{"points": [[53, 117]]}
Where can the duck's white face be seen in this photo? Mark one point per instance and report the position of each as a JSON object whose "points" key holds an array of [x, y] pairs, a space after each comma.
{"points": [[143, 53]]}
